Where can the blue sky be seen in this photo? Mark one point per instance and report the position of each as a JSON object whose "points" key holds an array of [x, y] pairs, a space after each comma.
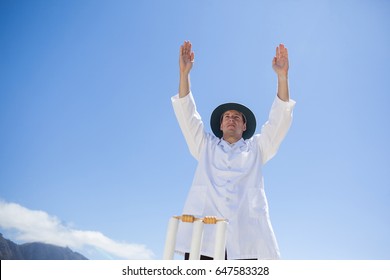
{"points": [[91, 155]]}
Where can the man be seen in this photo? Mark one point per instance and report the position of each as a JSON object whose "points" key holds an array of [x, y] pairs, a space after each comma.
{"points": [[228, 182]]}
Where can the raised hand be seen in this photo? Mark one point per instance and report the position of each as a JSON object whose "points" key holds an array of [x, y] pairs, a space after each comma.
{"points": [[186, 58], [280, 61]]}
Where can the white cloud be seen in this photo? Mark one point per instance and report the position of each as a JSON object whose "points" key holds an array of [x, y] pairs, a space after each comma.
{"points": [[38, 226]]}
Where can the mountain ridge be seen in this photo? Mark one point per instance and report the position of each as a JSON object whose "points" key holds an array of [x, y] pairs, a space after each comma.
{"points": [[35, 251]]}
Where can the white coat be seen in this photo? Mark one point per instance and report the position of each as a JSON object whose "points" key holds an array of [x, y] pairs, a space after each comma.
{"points": [[228, 182]]}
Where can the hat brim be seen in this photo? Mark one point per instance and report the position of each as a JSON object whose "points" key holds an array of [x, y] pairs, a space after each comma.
{"points": [[215, 120]]}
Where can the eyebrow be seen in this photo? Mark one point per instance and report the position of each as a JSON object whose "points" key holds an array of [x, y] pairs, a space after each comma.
{"points": [[237, 114]]}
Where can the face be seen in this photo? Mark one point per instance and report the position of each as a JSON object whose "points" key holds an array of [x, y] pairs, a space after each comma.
{"points": [[233, 123]]}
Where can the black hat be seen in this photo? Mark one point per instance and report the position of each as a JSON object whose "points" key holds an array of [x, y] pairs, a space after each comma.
{"points": [[215, 120]]}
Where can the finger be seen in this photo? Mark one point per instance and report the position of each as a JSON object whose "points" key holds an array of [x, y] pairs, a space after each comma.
{"points": [[283, 50], [187, 48], [274, 61]]}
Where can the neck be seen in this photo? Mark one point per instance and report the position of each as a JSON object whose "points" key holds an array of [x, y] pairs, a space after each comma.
{"points": [[231, 139]]}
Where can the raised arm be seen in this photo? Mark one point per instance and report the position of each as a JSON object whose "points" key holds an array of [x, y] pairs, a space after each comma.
{"points": [[280, 66], [186, 60]]}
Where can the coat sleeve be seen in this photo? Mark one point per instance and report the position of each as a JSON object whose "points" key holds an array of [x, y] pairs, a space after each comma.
{"points": [[276, 128], [190, 123]]}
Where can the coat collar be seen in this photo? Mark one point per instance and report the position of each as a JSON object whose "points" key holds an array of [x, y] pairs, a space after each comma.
{"points": [[226, 146]]}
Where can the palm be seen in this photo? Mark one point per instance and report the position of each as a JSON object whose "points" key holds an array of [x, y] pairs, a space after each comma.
{"points": [[186, 58], [280, 61]]}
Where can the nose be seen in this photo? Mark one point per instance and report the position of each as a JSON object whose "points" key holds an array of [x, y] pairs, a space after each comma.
{"points": [[232, 119], [229, 118]]}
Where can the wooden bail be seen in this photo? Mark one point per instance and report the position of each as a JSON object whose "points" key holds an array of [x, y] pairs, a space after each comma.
{"points": [[210, 220]]}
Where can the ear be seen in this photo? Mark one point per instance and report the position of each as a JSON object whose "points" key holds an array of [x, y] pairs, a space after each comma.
{"points": [[220, 127], [244, 127]]}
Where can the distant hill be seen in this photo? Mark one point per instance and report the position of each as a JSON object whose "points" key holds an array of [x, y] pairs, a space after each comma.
{"points": [[35, 251]]}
